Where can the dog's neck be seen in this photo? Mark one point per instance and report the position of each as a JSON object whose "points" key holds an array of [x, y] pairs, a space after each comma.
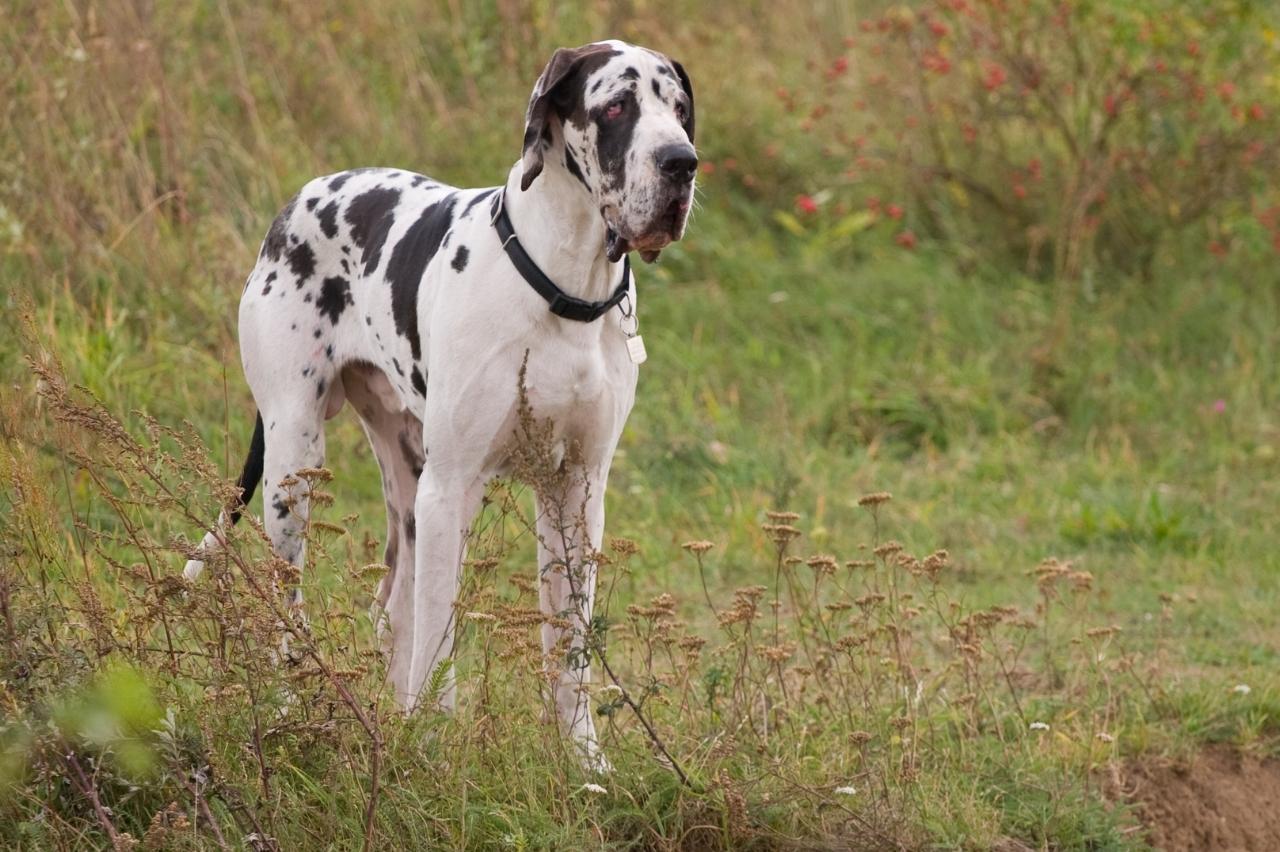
{"points": [[559, 226]]}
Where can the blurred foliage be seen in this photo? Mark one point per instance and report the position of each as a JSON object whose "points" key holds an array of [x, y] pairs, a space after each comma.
{"points": [[1064, 138]]}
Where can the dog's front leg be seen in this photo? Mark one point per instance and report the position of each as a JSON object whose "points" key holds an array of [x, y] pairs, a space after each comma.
{"points": [[570, 523], [443, 512]]}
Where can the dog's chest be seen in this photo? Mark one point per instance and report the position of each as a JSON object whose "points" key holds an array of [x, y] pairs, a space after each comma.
{"points": [[569, 381]]}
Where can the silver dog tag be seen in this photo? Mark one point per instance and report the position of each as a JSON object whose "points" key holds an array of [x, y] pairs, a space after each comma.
{"points": [[635, 348]]}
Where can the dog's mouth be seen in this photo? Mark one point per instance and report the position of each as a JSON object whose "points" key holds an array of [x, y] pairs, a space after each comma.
{"points": [[666, 228]]}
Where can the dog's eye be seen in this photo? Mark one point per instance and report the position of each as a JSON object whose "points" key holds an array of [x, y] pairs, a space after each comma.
{"points": [[615, 109], [682, 113]]}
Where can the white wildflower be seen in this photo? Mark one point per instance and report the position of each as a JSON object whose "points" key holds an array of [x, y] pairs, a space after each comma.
{"points": [[1105, 737], [845, 791], [594, 788], [1241, 689], [1039, 726]]}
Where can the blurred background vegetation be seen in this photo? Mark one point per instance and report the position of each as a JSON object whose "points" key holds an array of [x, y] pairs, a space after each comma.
{"points": [[1015, 262]]}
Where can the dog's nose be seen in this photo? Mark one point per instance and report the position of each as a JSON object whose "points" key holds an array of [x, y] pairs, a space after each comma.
{"points": [[678, 162]]}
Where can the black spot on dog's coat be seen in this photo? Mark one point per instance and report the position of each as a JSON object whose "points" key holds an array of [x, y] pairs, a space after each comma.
{"points": [[312, 202], [282, 510], [571, 163], [410, 528], [278, 235], [476, 200], [266, 287], [412, 454], [319, 389], [335, 297], [338, 181], [367, 210], [613, 140], [630, 74], [409, 261], [460, 259], [302, 261], [419, 383], [657, 90], [395, 362], [328, 217]]}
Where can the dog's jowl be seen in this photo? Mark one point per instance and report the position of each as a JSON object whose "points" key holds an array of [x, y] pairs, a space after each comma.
{"points": [[418, 303]]}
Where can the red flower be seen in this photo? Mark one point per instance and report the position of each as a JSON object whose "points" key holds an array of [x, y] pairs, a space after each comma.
{"points": [[994, 76], [906, 239], [841, 65], [894, 211], [1019, 190], [1256, 112], [707, 167], [1217, 249], [938, 28], [805, 204], [936, 63], [1226, 90]]}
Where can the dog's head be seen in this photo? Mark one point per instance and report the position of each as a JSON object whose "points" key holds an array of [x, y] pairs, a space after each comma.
{"points": [[619, 118]]}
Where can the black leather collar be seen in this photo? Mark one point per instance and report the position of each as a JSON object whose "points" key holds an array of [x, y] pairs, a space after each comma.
{"points": [[560, 303]]}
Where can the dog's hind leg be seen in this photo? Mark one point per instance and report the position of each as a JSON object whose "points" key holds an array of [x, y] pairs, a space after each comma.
{"points": [[294, 442], [396, 437]]}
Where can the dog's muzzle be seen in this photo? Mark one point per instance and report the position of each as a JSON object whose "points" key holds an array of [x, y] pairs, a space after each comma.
{"points": [[677, 165]]}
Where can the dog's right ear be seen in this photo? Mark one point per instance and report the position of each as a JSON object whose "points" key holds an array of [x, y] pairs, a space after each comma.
{"points": [[564, 62]]}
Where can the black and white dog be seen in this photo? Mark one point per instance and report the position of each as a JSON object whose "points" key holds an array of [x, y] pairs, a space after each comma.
{"points": [[417, 303]]}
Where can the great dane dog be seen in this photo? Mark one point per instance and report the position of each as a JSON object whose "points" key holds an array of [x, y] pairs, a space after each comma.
{"points": [[418, 303]]}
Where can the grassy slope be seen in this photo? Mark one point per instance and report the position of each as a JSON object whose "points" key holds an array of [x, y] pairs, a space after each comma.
{"points": [[877, 370]]}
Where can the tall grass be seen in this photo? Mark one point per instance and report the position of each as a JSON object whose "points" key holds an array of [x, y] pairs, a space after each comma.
{"points": [[837, 699]]}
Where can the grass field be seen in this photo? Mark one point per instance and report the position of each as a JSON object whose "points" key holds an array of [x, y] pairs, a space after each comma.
{"points": [[1124, 423]]}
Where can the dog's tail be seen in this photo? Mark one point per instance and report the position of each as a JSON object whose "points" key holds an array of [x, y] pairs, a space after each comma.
{"points": [[250, 476]]}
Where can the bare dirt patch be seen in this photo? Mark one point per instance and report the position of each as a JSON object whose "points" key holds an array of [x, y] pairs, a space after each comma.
{"points": [[1219, 800]]}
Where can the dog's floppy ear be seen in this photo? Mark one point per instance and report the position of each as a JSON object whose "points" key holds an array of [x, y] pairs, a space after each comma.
{"points": [[562, 65], [688, 90]]}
